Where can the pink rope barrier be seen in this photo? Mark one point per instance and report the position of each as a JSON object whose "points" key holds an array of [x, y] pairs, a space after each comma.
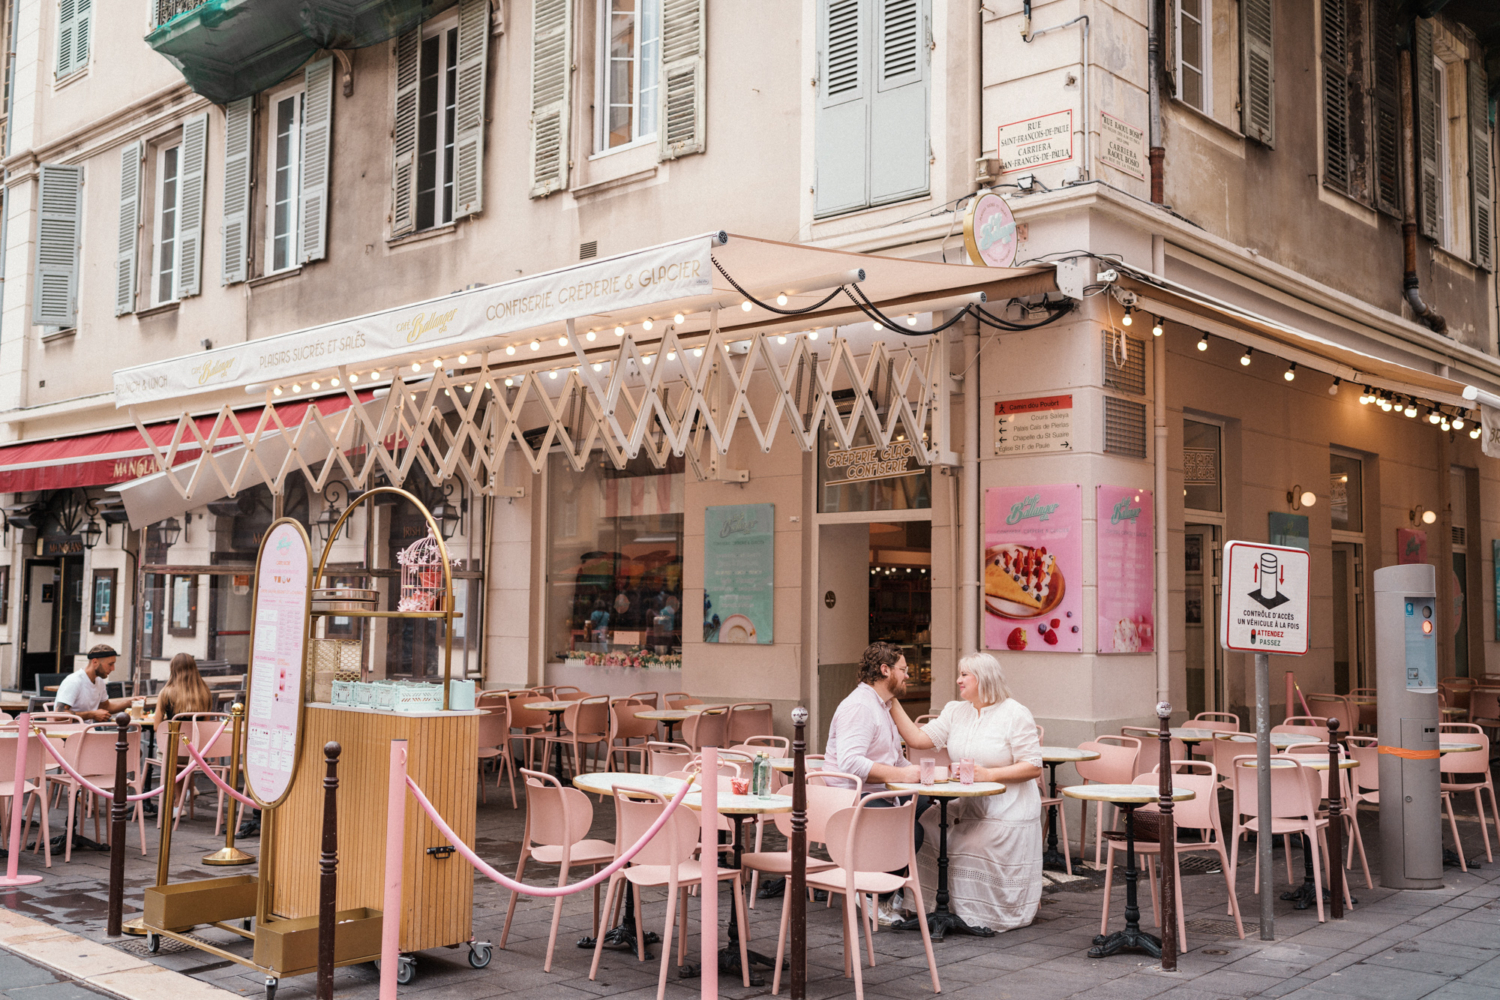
{"points": [[223, 785], [549, 891], [103, 793]]}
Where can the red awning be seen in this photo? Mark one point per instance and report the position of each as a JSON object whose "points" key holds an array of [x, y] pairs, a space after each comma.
{"points": [[118, 456]]}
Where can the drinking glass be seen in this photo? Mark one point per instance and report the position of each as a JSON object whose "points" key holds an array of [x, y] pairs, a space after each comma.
{"points": [[929, 770], [966, 771]]}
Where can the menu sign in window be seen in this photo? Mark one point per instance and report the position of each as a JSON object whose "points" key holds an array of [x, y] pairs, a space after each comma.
{"points": [[278, 654], [739, 573]]}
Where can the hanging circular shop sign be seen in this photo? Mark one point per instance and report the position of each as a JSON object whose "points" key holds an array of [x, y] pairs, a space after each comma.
{"points": [[990, 231]]}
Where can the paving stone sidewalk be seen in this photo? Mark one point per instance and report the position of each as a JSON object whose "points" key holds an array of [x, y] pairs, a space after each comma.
{"points": [[1400, 945]]}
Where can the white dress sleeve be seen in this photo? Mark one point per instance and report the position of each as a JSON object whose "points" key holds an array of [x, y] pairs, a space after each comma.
{"points": [[941, 728], [1025, 745]]}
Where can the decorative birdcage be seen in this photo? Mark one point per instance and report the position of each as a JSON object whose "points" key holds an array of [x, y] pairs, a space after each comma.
{"points": [[421, 565]]}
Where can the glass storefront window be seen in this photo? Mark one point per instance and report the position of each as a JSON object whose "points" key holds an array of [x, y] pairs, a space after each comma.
{"points": [[1202, 453], [614, 562], [1345, 484]]}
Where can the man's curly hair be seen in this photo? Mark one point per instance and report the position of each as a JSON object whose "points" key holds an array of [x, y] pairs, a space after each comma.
{"points": [[877, 655]]}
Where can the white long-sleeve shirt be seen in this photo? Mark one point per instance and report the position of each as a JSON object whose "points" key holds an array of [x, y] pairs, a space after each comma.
{"points": [[862, 735]]}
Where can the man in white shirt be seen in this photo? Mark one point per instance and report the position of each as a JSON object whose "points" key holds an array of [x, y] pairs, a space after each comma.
{"points": [[85, 693]]}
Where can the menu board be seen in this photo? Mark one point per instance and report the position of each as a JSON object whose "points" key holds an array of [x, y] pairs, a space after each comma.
{"points": [[278, 655], [1033, 569], [1123, 570], [739, 573]]}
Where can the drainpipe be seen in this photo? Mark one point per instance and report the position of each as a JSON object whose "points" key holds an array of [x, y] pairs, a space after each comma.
{"points": [[1084, 172], [1158, 153], [968, 559], [1163, 564], [1409, 282]]}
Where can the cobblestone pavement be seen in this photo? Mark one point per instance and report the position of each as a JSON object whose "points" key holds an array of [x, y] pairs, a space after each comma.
{"points": [[1400, 945]]}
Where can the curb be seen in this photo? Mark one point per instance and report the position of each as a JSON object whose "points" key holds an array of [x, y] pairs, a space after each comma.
{"points": [[99, 966]]}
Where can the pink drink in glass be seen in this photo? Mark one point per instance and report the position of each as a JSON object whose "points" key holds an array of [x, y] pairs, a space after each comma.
{"points": [[929, 770], [966, 771], [741, 786]]}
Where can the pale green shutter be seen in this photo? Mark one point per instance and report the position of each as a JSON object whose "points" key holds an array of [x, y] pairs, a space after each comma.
{"points": [[128, 250], [1258, 70], [468, 110], [680, 129], [1429, 199], [317, 132], [67, 29], [190, 224], [841, 125], [551, 89], [59, 219], [239, 118], [900, 152], [404, 134], [1480, 190]]}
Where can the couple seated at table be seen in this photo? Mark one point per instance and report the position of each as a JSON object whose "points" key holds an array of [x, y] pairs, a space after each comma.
{"points": [[995, 842]]}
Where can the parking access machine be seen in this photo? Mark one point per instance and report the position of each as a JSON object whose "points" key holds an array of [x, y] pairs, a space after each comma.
{"points": [[1407, 631]]}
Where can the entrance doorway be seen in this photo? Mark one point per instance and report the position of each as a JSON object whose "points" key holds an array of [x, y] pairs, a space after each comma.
{"points": [[52, 617], [1205, 681], [1348, 617], [875, 584]]}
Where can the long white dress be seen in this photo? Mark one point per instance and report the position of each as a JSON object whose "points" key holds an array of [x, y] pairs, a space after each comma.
{"points": [[994, 842]]}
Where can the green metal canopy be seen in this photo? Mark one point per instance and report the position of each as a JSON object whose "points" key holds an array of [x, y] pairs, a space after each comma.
{"points": [[229, 49]]}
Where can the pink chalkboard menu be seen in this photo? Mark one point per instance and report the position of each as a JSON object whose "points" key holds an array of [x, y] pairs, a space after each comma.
{"points": [[1124, 570], [278, 653]]}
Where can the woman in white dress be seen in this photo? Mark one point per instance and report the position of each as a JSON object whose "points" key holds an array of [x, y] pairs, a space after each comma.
{"points": [[994, 841]]}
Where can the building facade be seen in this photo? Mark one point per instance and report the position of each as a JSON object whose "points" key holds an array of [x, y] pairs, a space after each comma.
{"points": [[1262, 240]]}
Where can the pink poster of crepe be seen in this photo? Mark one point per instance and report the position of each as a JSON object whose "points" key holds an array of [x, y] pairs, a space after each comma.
{"points": [[1033, 568], [1124, 570]]}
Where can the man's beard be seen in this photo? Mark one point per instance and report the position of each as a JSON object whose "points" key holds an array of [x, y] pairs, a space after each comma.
{"points": [[898, 688]]}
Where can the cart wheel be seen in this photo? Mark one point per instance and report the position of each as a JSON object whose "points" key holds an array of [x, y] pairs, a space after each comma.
{"points": [[153, 943], [406, 969], [271, 983], [480, 953]]}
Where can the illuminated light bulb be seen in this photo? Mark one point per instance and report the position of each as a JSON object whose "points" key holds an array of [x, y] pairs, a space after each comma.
{"points": [[619, 331], [447, 393], [1157, 329], [598, 367], [463, 359], [353, 377], [678, 317], [510, 349], [697, 352], [468, 388], [1203, 342], [276, 391], [1291, 372], [317, 385], [1445, 425], [552, 373], [879, 327], [648, 359], [1127, 320], [646, 324], [1433, 416], [781, 299], [1429, 517], [1474, 433], [911, 320], [1245, 358], [416, 366], [589, 336], [510, 382], [812, 335], [1458, 423], [536, 345], [334, 381], [671, 355], [437, 363], [562, 341], [781, 339], [1410, 411], [296, 387], [745, 305]]}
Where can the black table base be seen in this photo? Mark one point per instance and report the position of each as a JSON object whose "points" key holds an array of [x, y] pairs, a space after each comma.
{"points": [[941, 921], [621, 937], [1132, 937], [1306, 894], [1054, 860]]}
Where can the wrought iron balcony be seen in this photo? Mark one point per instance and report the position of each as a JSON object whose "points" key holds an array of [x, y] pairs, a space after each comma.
{"points": [[164, 10]]}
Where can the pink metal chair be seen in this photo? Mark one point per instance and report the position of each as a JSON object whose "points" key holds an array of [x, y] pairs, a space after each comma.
{"points": [[1484, 707], [1226, 722], [1315, 726], [652, 698], [709, 728], [666, 861], [61, 718], [822, 802], [557, 829], [1294, 809], [1116, 765], [1473, 762], [681, 699], [92, 754], [534, 725], [32, 789], [585, 724], [494, 745], [624, 726], [1150, 742], [866, 844], [747, 719]]}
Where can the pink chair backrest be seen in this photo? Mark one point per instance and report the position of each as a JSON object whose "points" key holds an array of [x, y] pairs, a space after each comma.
{"points": [[588, 716], [1366, 753], [494, 728], [863, 838], [95, 756], [668, 757], [204, 726], [681, 699], [524, 717], [673, 844], [652, 698], [1304, 725], [60, 717], [706, 729], [1224, 722], [1291, 789], [822, 802], [567, 692], [37, 759], [777, 746], [1117, 760], [1465, 761], [1484, 703], [1201, 812], [746, 719], [555, 815], [626, 725]]}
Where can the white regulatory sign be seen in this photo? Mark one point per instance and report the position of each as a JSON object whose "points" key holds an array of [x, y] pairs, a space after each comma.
{"points": [[1264, 609]]}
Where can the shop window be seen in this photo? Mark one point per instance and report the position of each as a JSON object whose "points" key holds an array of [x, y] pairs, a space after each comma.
{"points": [[627, 74], [614, 562], [1202, 466], [1345, 492], [283, 193]]}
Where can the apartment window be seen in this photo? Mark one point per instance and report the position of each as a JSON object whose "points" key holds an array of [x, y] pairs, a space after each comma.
{"points": [[1202, 466], [1195, 54], [436, 90], [75, 25], [1454, 196], [1346, 492], [629, 64], [284, 167], [168, 250]]}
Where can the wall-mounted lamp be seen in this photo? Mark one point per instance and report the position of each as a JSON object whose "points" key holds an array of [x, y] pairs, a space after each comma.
{"points": [[1419, 513], [1299, 498]]}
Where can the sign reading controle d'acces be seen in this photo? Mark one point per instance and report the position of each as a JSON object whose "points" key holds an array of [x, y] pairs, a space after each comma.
{"points": [[1264, 607]]}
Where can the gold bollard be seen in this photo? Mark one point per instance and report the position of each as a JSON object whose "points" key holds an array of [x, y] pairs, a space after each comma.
{"points": [[230, 855], [168, 797]]}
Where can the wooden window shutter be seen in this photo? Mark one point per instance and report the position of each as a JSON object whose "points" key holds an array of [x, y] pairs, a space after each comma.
{"points": [[239, 122], [468, 112], [55, 301], [842, 118], [190, 225], [1335, 96], [1480, 190], [683, 41], [1258, 71], [67, 29], [404, 134], [317, 135], [900, 152], [84, 26], [1429, 214], [127, 255], [551, 89], [1386, 109]]}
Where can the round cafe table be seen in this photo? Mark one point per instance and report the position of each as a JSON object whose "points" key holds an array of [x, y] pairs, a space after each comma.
{"points": [[1279, 740], [942, 920], [1128, 798], [673, 716], [557, 708], [1052, 858]]}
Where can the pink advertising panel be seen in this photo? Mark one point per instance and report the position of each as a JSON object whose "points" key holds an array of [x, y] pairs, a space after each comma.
{"points": [[278, 653], [1033, 568], [1124, 570]]}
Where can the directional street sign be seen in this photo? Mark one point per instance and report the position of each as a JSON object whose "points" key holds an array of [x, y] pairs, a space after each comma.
{"points": [[1264, 608]]}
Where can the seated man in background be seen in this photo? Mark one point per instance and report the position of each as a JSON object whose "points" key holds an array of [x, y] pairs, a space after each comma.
{"points": [[86, 693]]}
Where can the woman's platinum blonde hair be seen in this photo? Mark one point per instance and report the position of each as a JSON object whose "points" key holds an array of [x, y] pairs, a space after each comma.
{"points": [[987, 671]]}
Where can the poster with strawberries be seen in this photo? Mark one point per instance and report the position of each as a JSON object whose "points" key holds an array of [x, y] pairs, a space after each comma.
{"points": [[1033, 568], [1124, 550]]}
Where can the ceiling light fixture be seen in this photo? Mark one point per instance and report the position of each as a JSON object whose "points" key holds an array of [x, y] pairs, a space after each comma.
{"points": [[463, 359], [536, 345], [1158, 328], [745, 305], [562, 341], [590, 336], [1202, 341], [1333, 390], [510, 349], [1127, 320], [619, 331], [781, 299], [646, 323], [1245, 358], [1291, 372], [678, 317]]}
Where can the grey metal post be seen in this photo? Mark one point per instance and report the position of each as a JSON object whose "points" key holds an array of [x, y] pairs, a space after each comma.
{"points": [[1263, 838]]}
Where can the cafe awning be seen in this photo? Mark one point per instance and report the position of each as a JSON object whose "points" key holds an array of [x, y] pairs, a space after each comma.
{"points": [[668, 351]]}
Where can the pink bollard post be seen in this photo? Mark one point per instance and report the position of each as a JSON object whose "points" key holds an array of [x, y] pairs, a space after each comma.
{"points": [[23, 735], [395, 846], [709, 916]]}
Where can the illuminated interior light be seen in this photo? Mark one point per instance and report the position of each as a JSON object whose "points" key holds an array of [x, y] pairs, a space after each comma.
{"points": [[334, 381], [781, 339], [1127, 320], [296, 387], [812, 335], [598, 367], [552, 373], [1203, 342], [562, 341], [671, 355], [1157, 328], [510, 381], [353, 377], [781, 299], [468, 388], [1245, 358], [697, 352], [437, 363], [317, 385], [1291, 372]]}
